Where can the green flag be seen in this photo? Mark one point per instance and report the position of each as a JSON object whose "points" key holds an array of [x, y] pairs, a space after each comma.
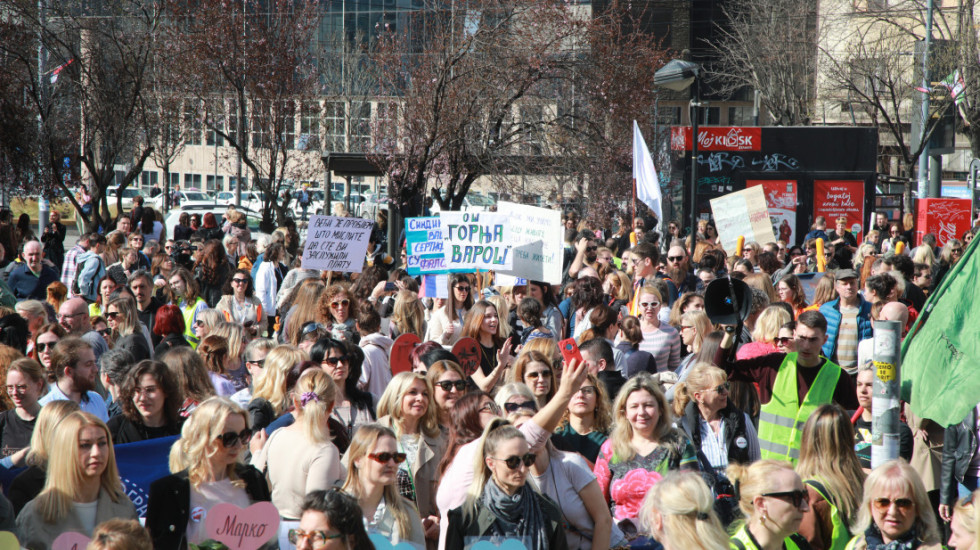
{"points": [[941, 355]]}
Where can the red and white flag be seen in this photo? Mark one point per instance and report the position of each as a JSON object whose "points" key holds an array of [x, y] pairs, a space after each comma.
{"points": [[57, 70]]}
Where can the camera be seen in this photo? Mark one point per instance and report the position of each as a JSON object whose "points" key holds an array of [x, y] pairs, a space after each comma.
{"points": [[182, 254]]}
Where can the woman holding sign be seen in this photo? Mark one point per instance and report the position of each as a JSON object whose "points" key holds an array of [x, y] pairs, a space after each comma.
{"points": [[206, 472], [446, 324], [82, 489]]}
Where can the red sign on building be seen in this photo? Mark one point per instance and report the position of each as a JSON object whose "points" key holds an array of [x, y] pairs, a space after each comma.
{"points": [[946, 218], [717, 138], [833, 199]]}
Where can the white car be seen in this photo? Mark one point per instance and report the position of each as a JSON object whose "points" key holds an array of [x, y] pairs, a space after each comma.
{"points": [[252, 218], [187, 198], [127, 196]]}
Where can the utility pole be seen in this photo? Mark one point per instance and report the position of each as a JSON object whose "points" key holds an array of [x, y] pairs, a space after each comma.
{"points": [[923, 174], [885, 403]]}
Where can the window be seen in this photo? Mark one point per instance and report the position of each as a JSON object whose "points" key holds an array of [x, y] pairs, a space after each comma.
{"points": [[711, 115], [360, 131], [309, 127], [740, 116], [214, 139], [333, 120], [174, 180], [289, 126], [215, 183], [149, 179], [531, 140], [192, 125], [192, 181]]}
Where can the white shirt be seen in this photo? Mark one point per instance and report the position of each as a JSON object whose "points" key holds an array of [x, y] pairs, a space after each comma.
{"points": [[93, 404]]}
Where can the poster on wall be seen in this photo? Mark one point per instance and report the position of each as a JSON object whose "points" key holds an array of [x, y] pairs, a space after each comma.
{"points": [[742, 214], [835, 198], [781, 199], [946, 218]]}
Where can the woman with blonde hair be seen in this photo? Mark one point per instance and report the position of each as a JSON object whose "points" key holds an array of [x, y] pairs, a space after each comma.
{"points": [[408, 315], [534, 370], [304, 307], [83, 488], [205, 472], [587, 421], [271, 384], [824, 292], [372, 479], [833, 476], [618, 287], [128, 332], [301, 457], [29, 483], [406, 407], [723, 433], [764, 334], [659, 339], [499, 501], [678, 512], [337, 307], [205, 323], [642, 448], [924, 255], [951, 253], [234, 334], [773, 500], [694, 328], [762, 282], [686, 302], [895, 511], [965, 527]]}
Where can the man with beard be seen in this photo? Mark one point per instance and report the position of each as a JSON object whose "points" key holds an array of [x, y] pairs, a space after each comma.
{"points": [[147, 305], [679, 270], [74, 363], [585, 253], [73, 317]]}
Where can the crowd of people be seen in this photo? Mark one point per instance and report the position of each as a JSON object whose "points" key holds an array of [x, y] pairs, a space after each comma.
{"points": [[665, 429]]}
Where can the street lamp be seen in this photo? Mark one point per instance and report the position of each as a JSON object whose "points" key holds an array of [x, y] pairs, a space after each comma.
{"points": [[678, 75]]}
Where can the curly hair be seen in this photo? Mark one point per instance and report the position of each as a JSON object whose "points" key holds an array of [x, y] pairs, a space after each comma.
{"points": [[167, 384]]}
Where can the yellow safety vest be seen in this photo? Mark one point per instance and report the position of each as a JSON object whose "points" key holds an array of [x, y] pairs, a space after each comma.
{"points": [[188, 312], [743, 540], [841, 535], [781, 419]]}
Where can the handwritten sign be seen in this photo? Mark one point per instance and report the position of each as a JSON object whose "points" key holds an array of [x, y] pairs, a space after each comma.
{"points": [[476, 240], [833, 199], [336, 244], [246, 529], [781, 200], [536, 234], [423, 238], [742, 213], [70, 540]]}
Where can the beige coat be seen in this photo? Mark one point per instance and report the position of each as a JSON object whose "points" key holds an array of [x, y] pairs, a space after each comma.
{"points": [[35, 534], [425, 470], [927, 449]]}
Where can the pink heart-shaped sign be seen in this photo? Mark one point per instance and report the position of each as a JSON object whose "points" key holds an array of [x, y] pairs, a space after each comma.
{"points": [[70, 540], [246, 529]]}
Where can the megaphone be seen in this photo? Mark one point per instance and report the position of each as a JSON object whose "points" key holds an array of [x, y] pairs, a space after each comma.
{"points": [[727, 301]]}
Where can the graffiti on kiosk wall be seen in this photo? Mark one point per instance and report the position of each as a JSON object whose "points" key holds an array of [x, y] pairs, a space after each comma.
{"points": [[776, 161], [715, 184], [718, 162]]}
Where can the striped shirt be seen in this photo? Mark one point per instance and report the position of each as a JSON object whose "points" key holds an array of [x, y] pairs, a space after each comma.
{"points": [[847, 339], [70, 266], [665, 345]]}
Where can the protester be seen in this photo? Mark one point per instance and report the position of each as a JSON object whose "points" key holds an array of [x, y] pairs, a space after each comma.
{"points": [[895, 511], [446, 324], [773, 500], [240, 305], [586, 423], [659, 339], [335, 312], [483, 325], [127, 331], [73, 361], [151, 404], [534, 370], [30, 279], [678, 512], [44, 342], [354, 406], [184, 289], [448, 384], [25, 385], [330, 515], [214, 351]]}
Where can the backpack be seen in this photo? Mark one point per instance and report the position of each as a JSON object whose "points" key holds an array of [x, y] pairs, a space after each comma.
{"points": [[75, 286]]}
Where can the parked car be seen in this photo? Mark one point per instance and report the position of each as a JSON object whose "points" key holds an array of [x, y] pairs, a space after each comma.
{"points": [[127, 196], [252, 217], [187, 198]]}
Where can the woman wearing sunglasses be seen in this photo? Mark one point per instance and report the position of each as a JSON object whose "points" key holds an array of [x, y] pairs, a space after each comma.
{"points": [[500, 503], [44, 341], [765, 333], [895, 511], [206, 472], [723, 433], [448, 384], [336, 312], [659, 339], [240, 305], [833, 478], [446, 324], [534, 370], [372, 479], [353, 406], [772, 499], [128, 332], [301, 458], [406, 408]]}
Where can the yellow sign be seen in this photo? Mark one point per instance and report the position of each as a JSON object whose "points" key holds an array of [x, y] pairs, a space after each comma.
{"points": [[886, 371]]}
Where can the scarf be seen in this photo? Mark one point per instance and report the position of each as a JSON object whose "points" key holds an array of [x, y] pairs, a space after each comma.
{"points": [[908, 541], [517, 516]]}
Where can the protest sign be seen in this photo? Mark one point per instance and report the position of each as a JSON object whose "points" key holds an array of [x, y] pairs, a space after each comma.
{"points": [[833, 199], [246, 529], [742, 214], [434, 286], [781, 200], [423, 238], [536, 235], [336, 244], [476, 240]]}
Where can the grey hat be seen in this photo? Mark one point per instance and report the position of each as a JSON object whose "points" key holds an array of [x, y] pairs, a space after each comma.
{"points": [[846, 274]]}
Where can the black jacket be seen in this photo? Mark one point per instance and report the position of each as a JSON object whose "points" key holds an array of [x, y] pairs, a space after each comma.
{"points": [[959, 444], [612, 380], [169, 342], [734, 419], [170, 500], [478, 526]]}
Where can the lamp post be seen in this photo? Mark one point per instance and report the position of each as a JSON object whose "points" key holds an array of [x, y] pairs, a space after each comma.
{"points": [[679, 75]]}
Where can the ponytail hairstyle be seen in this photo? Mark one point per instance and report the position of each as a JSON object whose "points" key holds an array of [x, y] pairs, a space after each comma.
{"points": [[680, 507], [630, 327], [365, 438], [313, 399], [702, 377], [496, 432], [754, 480], [826, 455]]}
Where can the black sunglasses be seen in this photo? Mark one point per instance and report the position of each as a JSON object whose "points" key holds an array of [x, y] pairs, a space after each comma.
{"points": [[310, 327], [42, 346], [797, 498], [515, 461], [105, 332], [526, 405], [383, 458], [228, 439], [782, 340], [463, 288], [448, 385], [335, 360]]}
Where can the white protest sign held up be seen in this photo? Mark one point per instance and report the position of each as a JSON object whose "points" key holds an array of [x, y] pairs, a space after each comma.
{"points": [[536, 234], [476, 240], [336, 244], [742, 213]]}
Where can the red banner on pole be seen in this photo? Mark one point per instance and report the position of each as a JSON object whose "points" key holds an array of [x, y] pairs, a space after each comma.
{"points": [[717, 138], [835, 198]]}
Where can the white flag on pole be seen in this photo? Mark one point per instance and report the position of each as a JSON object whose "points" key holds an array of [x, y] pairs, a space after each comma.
{"points": [[645, 175]]}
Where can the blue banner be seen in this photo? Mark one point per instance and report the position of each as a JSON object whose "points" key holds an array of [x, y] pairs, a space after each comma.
{"points": [[140, 464]]}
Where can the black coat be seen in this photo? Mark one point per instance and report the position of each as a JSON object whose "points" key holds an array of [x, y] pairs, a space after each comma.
{"points": [[734, 419], [170, 502]]}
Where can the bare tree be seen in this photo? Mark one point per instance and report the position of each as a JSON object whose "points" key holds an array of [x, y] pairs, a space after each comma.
{"points": [[770, 46]]}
